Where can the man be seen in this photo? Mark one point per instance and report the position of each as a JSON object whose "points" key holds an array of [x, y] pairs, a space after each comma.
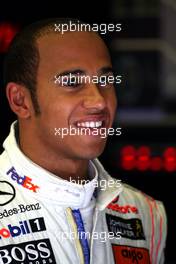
{"points": [[53, 207]]}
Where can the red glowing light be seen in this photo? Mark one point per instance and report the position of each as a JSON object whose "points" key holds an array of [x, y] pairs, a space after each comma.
{"points": [[128, 150], [141, 159], [143, 163], [144, 151], [170, 159], [128, 159], [156, 164], [7, 33], [169, 152]]}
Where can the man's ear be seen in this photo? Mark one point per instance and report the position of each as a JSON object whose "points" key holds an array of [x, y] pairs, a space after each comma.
{"points": [[19, 100]]}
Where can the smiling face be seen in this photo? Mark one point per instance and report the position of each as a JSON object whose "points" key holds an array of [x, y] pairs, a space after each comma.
{"points": [[85, 104]]}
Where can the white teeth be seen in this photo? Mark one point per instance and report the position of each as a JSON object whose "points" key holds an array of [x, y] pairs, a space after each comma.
{"points": [[98, 124], [91, 124], [87, 124]]}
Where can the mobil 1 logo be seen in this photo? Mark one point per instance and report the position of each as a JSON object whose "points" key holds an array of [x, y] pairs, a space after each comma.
{"points": [[31, 252], [22, 228]]}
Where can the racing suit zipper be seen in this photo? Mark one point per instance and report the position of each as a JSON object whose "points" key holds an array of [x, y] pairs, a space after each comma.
{"points": [[92, 239], [73, 226]]}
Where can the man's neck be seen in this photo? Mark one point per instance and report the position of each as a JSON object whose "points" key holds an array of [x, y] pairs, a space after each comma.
{"points": [[67, 169]]}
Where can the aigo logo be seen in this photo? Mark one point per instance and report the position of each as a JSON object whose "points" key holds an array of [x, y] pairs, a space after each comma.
{"points": [[23, 228], [134, 255], [128, 255]]}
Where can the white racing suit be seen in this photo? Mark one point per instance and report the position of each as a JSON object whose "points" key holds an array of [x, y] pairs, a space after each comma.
{"points": [[44, 219]]}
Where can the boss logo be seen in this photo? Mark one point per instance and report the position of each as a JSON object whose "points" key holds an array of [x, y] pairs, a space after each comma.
{"points": [[33, 252]]}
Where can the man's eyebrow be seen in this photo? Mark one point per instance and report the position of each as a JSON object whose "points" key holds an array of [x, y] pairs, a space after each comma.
{"points": [[105, 70], [73, 72]]}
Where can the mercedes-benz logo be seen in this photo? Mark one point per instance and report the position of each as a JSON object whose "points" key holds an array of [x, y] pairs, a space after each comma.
{"points": [[7, 192]]}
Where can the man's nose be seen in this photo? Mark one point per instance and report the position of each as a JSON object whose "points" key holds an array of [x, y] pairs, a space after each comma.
{"points": [[94, 98]]}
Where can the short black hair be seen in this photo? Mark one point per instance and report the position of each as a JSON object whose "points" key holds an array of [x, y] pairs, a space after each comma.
{"points": [[22, 59]]}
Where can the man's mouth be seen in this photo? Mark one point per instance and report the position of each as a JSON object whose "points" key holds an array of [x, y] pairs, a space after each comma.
{"points": [[90, 124]]}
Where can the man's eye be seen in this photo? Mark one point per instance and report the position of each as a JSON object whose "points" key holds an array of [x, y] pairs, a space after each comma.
{"points": [[73, 83], [70, 82]]}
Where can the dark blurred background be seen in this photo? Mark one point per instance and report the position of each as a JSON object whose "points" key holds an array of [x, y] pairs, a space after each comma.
{"points": [[144, 53]]}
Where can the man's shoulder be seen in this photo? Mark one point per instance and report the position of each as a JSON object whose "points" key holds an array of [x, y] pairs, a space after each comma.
{"points": [[130, 192], [131, 197], [133, 203]]}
